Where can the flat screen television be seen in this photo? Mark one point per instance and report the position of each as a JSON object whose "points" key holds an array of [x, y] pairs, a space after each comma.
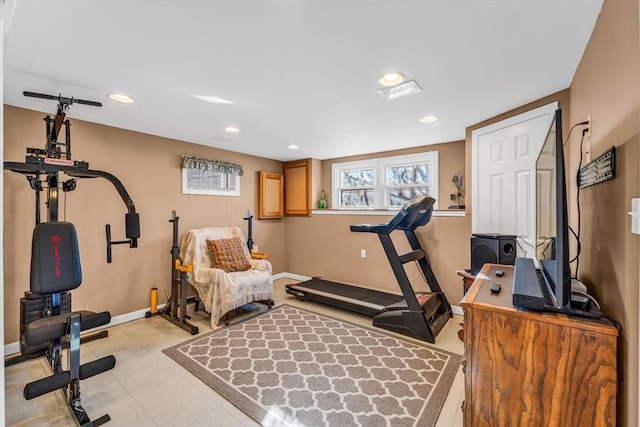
{"points": [[552, 222]]}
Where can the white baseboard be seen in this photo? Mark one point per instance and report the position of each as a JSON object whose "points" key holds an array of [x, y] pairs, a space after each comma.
{"points": [[11, 348], [292, 276], [14, 347]]}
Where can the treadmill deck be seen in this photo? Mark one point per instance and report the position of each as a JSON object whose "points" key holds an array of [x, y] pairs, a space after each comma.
{"points": [[355, 298]]}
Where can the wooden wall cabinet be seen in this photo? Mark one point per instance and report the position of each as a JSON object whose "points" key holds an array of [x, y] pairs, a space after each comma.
{"points": [[297, 188], [271, 195], [526, 368]]}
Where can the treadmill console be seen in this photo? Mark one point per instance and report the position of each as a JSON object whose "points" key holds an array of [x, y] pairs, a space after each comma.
{"points": [[414, 213]]}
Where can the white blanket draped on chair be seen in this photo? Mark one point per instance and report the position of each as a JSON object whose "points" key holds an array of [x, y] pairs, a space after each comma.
{"points": [[220, 291]]}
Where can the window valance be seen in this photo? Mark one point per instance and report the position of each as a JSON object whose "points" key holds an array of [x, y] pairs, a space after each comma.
{"points": [[190, 162]]}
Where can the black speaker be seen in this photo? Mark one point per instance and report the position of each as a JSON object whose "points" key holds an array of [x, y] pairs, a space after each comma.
{"points": [[492, 249]]}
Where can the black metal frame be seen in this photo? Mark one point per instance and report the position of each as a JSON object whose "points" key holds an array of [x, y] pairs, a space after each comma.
{"points": [[175, 311], [68, 327], [418, 316], [52, 160], [57, 328], [249, 219]]}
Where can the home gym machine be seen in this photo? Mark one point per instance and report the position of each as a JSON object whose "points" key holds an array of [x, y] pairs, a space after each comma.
{"points": [[47, 324], [175, 310], [419, 315]]}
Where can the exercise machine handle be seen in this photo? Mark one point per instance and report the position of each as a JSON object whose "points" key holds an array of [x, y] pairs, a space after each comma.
{"points": [[132, 224], [132, 232]]}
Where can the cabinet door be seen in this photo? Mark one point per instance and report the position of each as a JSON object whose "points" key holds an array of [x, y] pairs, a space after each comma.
{"points": [[297, 188], [271, 197]]}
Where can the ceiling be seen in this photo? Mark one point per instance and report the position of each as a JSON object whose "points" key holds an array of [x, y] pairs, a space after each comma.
{"points": [[298, 72]]}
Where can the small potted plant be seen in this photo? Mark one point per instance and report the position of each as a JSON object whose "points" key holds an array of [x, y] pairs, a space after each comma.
{"points": [[322, 202], [457, 196]]}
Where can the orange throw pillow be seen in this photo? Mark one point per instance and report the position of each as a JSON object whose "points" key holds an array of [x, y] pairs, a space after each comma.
{"points": [[228, 255]]}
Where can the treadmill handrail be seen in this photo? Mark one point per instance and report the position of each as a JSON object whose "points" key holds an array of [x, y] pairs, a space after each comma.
{"points": [[414, 213]]}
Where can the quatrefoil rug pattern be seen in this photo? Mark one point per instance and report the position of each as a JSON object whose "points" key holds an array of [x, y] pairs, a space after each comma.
{"points": [[292, 367]]}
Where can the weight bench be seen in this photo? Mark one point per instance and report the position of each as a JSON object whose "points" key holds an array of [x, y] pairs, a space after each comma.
{"points": [[55, 270]]}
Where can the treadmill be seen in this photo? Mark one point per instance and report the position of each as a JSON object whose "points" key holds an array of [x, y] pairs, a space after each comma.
{"points": [[419, 315]]}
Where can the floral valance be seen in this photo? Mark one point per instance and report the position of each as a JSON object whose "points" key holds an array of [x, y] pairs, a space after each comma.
{"points": [[190, 162]]}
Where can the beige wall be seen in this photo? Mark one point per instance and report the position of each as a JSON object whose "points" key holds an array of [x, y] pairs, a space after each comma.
{"points": [[150, 169], [316, 182], [449, 159], [607, 87], [323, 245]]}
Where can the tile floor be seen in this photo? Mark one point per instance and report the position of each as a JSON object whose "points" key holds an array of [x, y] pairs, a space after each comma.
{"points": [[147, 388]]}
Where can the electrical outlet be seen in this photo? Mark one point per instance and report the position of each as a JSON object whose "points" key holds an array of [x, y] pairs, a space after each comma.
{"points": [[587, 133], [635, 216], [587, 137], [363, 253]]}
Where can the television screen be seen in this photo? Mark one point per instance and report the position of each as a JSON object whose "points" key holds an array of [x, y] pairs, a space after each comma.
{"points": [[552, 246]]}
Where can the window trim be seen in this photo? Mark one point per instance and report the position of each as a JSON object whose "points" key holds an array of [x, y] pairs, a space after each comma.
{"points": [[338, 168], [210, 192], [380, 165]]}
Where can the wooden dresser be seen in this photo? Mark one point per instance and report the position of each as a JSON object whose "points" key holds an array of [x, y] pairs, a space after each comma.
{"points": [[526, 368]]}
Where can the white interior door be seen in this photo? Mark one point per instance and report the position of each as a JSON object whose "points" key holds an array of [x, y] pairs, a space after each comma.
{"points": [[545, 198], [504, 175]]}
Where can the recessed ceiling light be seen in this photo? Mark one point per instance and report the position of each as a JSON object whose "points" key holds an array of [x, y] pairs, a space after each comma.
{"points": [[391, 79], [398, 91], [213, 99], [232, 129], [429, 119], [118, 97], [293, 147]]}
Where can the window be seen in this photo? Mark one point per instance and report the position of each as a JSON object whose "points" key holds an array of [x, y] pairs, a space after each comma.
{"points": [[201, 181], [210, 177], [385, 183]]}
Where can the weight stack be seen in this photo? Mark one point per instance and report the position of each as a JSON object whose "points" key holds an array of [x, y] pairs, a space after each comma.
{"points": [[31, 309], [492, 249]]}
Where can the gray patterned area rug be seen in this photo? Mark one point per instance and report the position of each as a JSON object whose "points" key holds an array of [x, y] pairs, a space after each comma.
{"points": [[291, 367]]}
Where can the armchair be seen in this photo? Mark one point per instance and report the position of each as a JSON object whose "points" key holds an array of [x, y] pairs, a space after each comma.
{"points": [[223, 291]]}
